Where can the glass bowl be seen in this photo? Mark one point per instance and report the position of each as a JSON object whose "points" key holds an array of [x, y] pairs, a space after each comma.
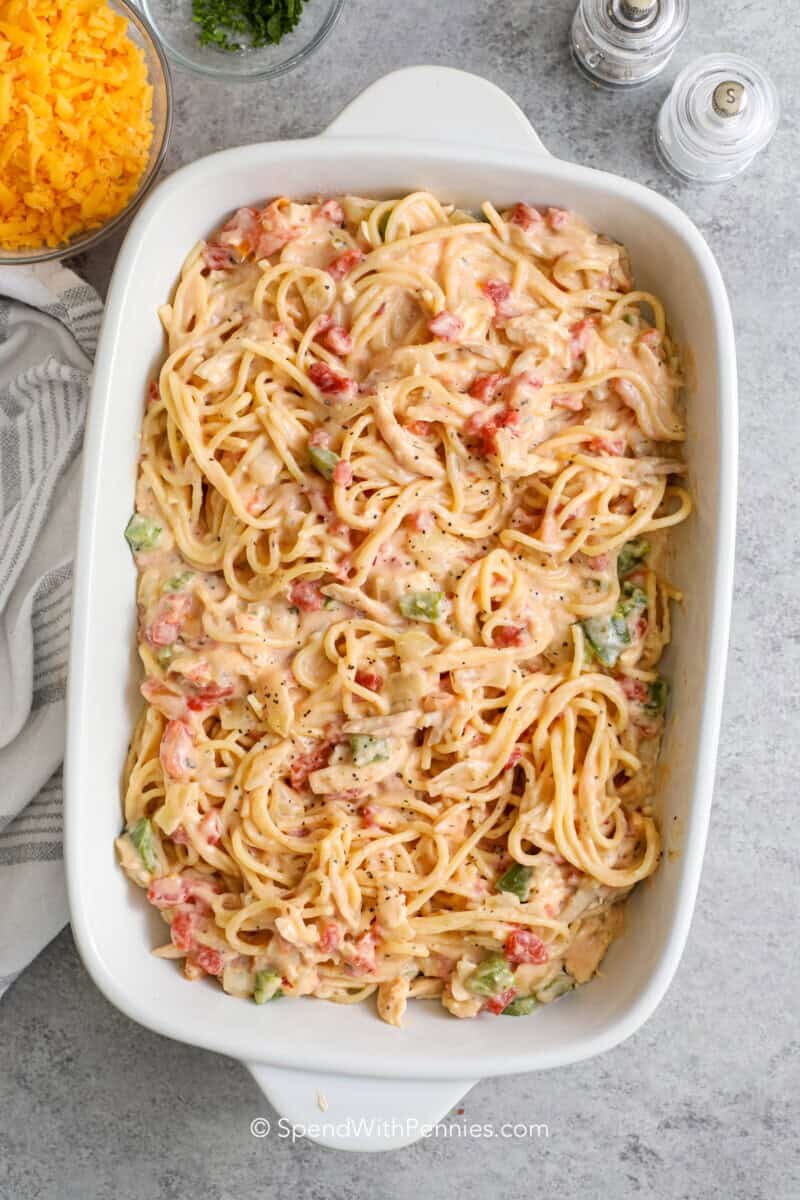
{"points": [[142, 35], [172, 20]]}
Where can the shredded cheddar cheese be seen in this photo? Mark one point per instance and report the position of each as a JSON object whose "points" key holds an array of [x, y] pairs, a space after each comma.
{"points": [[75, 119]]}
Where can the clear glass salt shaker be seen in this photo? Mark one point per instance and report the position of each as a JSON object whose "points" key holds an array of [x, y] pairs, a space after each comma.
{"points": [[721, 112], [622, 43]]}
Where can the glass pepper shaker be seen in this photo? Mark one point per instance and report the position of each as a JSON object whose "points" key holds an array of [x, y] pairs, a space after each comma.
{"points": [[622, 43]]}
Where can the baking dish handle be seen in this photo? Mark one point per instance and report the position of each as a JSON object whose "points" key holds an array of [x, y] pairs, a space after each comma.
{"points": [[439, 104], [349, 1112]]}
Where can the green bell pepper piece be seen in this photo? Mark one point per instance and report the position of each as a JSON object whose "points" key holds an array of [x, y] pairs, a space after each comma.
{"points": [[631, 556], [267, 986], [367, 749], [521, 1007], [517, 880], [141, 834], [422, 606], [142, 533], [323, 460], [491, 977]]}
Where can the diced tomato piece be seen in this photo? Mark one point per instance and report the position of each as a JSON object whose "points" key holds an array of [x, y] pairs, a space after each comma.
{"points": [[305, 764], [344, 264], [306, 595], [488, 442], [634, 689], [580, 334], [499, 292], [332, 383], [330, 935], [607, 445], [343, 473], [571, 401], [446, 326], [177, 749], [211, 827], [484, 387], [508, 635], [167, 892], [242, 231], [319, 437], [182, 930], [369, 816], [168, 619], [419, 428], [513, 758], [522, 946], [274, 232], [474, 423], [331, 211], [202, 891], [651, 338], [369, 680], [218, 258], [210, 960], [497, 1003], [525, 216], [337, 338], [364, 960], [486, 431], [208, 696], [242, 226], [557, 217]]}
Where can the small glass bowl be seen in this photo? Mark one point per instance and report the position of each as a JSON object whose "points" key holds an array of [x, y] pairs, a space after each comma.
{"points": [[158, 72], [180, 36]]}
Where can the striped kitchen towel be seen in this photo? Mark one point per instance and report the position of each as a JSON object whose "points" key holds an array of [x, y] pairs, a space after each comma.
{"points": [[49, 320]]}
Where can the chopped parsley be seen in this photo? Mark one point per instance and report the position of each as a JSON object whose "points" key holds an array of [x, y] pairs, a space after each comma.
{"points": [[239, 24]]}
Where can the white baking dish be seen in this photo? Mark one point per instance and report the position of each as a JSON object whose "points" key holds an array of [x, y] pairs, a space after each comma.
{"points": [[475, 143]]}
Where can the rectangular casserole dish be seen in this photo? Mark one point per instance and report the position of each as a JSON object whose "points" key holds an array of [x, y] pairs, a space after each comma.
{"points": [[477, 144]]}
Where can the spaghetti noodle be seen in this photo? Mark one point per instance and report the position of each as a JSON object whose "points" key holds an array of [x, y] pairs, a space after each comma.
{"points": [[404, 485]]}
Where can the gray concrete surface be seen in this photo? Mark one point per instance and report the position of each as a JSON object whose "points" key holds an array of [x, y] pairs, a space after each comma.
{"points": [[700, 1103]]}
